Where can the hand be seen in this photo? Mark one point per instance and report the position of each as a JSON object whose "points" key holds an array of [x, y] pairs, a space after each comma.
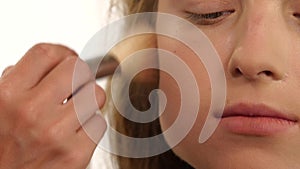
{"points": [[38, 130]]}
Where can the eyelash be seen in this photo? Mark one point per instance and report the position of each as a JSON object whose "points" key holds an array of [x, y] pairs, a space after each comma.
{"points": [[208, 18]]}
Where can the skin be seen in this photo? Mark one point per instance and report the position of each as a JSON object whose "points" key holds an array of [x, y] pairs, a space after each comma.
{"points": [[261, 36], [258, 46], [37, 129]]}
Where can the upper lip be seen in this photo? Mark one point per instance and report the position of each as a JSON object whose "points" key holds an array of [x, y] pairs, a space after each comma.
{"points": [[257, 110]]}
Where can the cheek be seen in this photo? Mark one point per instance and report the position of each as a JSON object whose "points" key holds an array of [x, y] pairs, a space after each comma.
{"points": [[173, 93]]}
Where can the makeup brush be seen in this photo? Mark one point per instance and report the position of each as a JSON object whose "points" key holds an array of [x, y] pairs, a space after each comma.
{"points": [[107, 67]]}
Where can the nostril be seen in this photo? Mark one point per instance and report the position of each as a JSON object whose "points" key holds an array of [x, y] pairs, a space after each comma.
{"points": [[266, 72], [237, 72]]}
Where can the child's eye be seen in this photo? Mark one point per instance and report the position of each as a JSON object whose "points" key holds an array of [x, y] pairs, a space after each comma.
{"points": [[208, 18]]}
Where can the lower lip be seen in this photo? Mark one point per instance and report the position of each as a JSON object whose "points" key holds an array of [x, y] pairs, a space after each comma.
{"points": [[258, 126]]}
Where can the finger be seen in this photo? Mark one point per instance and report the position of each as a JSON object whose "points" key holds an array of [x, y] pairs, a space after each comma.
{"points": [[6, 70], [85, 141], [77, 147], [84, 104], [93, 130], [62, 81], [38, 62]]}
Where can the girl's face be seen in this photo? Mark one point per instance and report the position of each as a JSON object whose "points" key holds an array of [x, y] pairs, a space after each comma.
{"points": [[258, 44]]}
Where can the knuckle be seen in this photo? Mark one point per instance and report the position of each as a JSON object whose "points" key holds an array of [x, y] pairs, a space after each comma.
{"points": [[70, 59], [52, 52], [7, 70], [6, 93], [40, 48]]}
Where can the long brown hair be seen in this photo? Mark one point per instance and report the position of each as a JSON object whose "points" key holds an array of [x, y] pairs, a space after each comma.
{"points": [[139, 92]]}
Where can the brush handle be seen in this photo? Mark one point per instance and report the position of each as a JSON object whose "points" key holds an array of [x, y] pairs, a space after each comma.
{"points": [[107, 66]]}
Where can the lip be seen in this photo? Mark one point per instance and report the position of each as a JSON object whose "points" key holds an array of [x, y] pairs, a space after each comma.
{"points": [[256, 119]]}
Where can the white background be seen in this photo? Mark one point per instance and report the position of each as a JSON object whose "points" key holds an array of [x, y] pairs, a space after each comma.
{"points": [[27, 22], [68, 22]]}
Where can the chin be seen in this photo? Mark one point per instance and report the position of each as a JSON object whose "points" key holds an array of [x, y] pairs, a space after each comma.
{"points": [[231, 151], [237, 160]]}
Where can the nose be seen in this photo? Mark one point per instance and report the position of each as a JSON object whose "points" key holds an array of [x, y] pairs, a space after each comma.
{"points": [[261, 49]]}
